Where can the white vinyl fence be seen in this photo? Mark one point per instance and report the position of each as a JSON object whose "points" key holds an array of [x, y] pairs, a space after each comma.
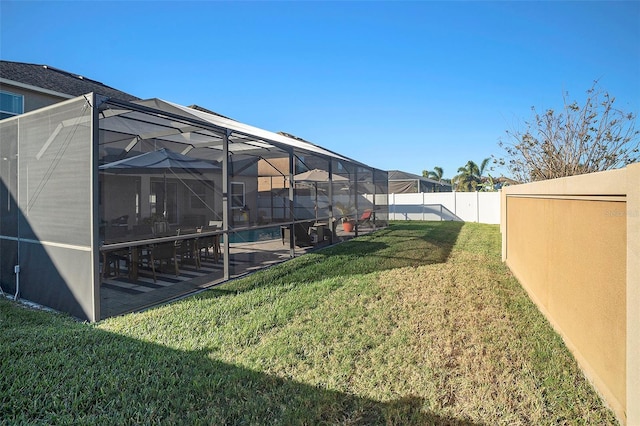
{"points": [[482, 207]]}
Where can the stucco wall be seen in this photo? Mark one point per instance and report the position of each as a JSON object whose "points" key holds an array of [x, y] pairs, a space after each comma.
{"points": [[34, 100], [568, 243]]}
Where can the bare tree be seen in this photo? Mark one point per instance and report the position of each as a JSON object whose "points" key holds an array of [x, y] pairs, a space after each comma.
{"points": [[581, 139]]}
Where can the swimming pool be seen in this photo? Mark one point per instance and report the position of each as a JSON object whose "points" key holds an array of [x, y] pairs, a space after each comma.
{"points": [[253, 235]]}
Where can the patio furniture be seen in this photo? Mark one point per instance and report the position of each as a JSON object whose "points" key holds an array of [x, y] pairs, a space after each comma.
{"points": [[188, 248], [113, 258], [320, 232], [209, 242], [365, 219], [302, 237], [163, 252]]}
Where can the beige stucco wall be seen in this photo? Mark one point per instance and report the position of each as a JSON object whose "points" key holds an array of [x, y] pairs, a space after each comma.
{"points": [[633, 294], [573, 245], [571, 257]]}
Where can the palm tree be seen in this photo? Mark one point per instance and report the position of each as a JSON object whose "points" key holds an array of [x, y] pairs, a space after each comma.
{"points": [[436, 174], [483, 166], [470, 176], [465, 180]]}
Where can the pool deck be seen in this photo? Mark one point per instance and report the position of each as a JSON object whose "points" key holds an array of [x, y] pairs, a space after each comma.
{"points": [[120, 294]]}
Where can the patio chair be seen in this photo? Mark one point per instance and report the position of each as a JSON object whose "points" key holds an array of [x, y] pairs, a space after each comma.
{"points": [[209, 242], [163, 252], [365, 219], [216, 223], [113, 258], [188, 249]]}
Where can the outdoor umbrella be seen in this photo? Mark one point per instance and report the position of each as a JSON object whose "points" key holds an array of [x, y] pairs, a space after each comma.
{"points": [[162, 160], [314, 176]]}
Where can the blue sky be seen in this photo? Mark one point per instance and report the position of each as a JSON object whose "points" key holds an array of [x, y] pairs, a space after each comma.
{"points": [[396, 85]]}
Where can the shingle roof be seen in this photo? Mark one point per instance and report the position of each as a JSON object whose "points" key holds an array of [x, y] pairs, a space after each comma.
{"points": [[58, 80], [400, 175]]}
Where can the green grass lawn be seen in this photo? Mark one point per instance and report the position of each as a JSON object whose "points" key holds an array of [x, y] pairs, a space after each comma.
{"points": [[419, 323]]}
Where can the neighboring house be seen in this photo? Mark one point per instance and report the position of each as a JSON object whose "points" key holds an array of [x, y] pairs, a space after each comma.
{"points": [[27, 87], [406, 183]]}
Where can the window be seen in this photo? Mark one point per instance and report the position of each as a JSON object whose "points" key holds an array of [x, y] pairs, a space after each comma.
{"points": [[163, 200], [237, 195], [10, 104]]}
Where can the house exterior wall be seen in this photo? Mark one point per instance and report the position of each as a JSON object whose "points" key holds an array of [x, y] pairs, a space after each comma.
{"points": [[119, 191], [33, 99], [122, 194], [273, 174], [568, 243], [251, 201]]}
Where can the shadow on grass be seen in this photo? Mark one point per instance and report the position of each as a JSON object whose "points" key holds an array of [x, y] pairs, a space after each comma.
{"points": [[403, 244], [56, 370]]}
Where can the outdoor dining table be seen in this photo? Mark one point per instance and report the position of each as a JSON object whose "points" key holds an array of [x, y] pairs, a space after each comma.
{"points": [[136, 246]]}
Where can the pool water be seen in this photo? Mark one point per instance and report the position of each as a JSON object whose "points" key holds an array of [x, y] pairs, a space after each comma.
{"points": [[253, 235]]}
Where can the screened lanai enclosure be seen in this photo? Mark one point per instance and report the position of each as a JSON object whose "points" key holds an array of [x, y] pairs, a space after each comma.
{"points": [[109, 207]]}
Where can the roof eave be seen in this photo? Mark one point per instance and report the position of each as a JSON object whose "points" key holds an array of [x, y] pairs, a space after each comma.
{"points": [[35, 88]]}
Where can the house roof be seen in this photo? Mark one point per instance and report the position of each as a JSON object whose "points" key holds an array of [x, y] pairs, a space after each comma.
{"points": [[403, 182], [246, 139], [400, 175], [57, 80]]}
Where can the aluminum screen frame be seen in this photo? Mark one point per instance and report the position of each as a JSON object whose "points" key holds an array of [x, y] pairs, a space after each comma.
{"points": [[52, 246]]}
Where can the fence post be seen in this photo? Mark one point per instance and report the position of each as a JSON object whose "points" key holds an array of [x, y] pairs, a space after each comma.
{"points": [[455, 203], [392, 205], [423, 206]]}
